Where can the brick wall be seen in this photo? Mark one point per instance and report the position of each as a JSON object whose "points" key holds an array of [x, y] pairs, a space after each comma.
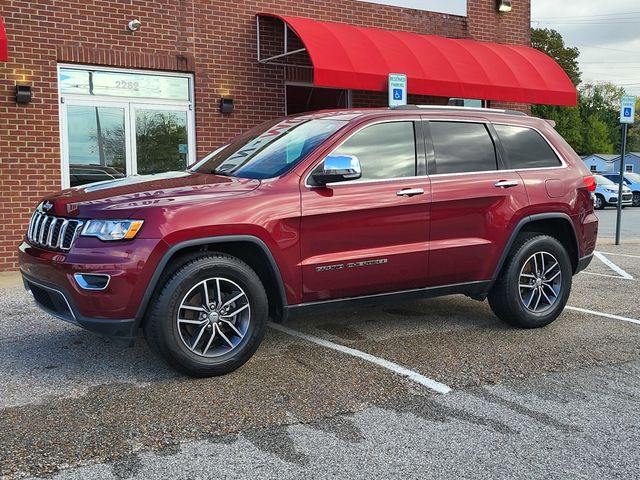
{"points": [[214, 40]]}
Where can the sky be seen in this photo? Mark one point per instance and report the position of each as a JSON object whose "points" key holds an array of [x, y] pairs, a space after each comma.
{"points": [[606, 33]]}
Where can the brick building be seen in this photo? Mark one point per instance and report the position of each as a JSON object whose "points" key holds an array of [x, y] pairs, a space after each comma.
{"points": [[109, 100]]}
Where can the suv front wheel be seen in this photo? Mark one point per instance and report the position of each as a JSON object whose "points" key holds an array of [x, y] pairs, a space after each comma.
{"points": [[209, 317], [535, 283]]}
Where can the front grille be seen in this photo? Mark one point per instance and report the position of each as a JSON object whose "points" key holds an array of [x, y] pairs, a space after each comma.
{"points": [[627, 197], [53, 232]]}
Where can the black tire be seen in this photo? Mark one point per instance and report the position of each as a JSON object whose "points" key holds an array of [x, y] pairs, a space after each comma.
{"points": [[636, 199], [161, 328], [505, 298], [599, 202]]}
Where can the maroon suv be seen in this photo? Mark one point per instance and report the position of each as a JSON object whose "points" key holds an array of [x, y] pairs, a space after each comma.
{"points": [[315, 211]]}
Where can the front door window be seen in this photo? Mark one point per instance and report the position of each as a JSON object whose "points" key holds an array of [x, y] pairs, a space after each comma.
{"points": [[118, 123]]}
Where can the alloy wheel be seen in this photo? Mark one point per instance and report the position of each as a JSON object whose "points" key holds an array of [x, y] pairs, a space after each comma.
{"points": [[636, 199], [540, 282], [213, 317]]}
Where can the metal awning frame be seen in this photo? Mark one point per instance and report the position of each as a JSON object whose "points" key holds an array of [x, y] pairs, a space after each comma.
{"points": [[286, 53]]}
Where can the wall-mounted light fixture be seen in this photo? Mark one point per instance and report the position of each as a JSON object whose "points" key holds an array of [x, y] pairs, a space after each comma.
{"points": [[134, 25], [504, 6], [23, 94], [226, 104]]}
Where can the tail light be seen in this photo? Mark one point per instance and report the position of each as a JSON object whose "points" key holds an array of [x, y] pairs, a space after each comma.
{"points": [[589, 182]]}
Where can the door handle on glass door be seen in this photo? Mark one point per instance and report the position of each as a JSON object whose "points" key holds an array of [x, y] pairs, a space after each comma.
{"points": [[409, 192], [506, 183]]}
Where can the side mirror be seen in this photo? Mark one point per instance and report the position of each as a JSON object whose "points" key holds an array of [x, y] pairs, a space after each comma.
{"points": [[338, 168]]}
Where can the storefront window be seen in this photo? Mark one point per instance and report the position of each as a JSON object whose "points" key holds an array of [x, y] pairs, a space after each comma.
{"points": [[118, 123]]}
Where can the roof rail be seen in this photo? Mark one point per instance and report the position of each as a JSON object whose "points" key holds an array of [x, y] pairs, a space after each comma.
{"points": [[463, 109]]}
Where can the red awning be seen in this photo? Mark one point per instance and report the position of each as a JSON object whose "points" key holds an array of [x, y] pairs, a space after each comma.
{"points": [[4, 48], [345, 56]]}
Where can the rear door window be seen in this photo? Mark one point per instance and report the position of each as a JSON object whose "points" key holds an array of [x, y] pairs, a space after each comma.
{"points": [[462, 147], [525, 148]]}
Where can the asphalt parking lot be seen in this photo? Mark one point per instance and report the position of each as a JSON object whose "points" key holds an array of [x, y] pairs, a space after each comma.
{"points": [[556, 402]]}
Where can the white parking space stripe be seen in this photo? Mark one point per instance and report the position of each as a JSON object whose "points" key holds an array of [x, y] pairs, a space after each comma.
{"points": [[621, 254], [606, 315], [394, 367], [605, 275], [613, 266]]}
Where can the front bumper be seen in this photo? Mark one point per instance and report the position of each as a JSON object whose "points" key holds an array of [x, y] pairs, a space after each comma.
{"points": [[116, 309], [55, 301]]}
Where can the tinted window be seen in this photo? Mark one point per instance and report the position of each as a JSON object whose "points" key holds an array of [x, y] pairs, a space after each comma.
{"points": [[462, 147], [525, 148], [385, 150]]}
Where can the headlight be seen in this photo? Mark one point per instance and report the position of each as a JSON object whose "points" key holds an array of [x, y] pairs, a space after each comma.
{"points": [[112, 229], [611, 190]]}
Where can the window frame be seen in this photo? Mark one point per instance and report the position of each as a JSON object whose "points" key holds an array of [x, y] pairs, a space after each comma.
{"points": [[421, 171], [626, 168], [431, 153]]}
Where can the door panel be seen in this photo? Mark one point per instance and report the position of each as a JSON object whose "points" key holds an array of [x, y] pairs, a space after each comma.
{"points": [[471, 220], [361, 238]]}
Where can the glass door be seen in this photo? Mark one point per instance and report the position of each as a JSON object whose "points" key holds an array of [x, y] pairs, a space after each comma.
{"points": [[161, 138], [95, 141]]}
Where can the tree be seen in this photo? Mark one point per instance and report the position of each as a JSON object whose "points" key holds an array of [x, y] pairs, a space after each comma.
{"points": [[551, 42], [596, 136], [601, 101], [568, 119]]}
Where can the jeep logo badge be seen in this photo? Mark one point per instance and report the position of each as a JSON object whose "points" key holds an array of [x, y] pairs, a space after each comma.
{"points": [[46, 206]]}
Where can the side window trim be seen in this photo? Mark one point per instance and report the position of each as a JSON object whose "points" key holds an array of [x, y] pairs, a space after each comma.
{"points": [[419, 153], [432, 161], [501, 153]]}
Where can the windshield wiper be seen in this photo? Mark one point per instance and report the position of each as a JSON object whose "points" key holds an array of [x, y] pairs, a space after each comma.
{"points": [[222, 173]]}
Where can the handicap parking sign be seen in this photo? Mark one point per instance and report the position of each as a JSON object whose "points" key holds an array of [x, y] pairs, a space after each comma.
{"points": [[397, 89], [627, 109], [397, 94]]}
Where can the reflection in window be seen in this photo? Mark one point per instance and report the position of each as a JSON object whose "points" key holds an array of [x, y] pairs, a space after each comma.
{"points": [[386, 150], [96, 143], [161, 141], [462, 147]]}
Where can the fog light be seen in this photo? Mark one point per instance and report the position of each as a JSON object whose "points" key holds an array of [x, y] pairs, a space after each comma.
{"points": [[92, 281]]}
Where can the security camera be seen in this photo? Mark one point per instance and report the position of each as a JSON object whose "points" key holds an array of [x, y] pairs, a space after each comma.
{"points": [[134, 25]]}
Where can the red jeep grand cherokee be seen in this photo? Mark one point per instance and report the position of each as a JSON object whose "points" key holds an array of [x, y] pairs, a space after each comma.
{"points": [[315, 211]]}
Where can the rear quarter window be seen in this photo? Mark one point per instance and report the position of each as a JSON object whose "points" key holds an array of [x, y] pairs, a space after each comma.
{"points": [[526, 148]]}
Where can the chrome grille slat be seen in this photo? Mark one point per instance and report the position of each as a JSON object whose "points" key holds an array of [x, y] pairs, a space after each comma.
{"points": [[49, 232], [52, 227]]}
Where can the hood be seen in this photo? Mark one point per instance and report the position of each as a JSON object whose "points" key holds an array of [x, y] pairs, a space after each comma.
{"points": [[122, 197]]}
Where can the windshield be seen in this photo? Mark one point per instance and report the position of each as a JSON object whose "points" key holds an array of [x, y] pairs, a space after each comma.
{"points": [[270, 149], [633, 177], [603, 180]]}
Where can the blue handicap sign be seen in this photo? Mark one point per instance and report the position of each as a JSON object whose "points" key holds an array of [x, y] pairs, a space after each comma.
{"points": [[397, 94], [627, 112]]}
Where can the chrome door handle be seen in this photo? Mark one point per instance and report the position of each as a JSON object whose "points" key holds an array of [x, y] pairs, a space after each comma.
{"points": [[507, 183], [409, 192]]}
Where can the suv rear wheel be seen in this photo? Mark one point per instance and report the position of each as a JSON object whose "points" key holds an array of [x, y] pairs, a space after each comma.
{"points": [[535, 283], [209, 317]]}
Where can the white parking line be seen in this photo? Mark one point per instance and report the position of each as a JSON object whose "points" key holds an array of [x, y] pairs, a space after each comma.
{"points": [[394, 367], [621, 254], [613, 266], [603, 275], [606, 315]]}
